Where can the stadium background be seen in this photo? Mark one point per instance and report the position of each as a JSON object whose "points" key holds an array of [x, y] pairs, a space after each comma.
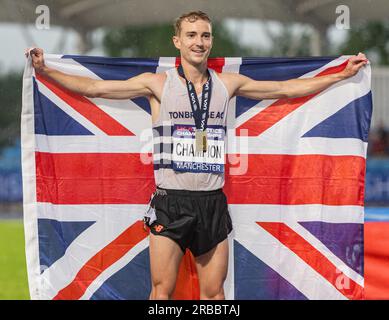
{"points": [[258, 30]]}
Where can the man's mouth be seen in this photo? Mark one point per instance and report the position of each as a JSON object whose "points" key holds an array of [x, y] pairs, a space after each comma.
{"points": [[198, 51]]}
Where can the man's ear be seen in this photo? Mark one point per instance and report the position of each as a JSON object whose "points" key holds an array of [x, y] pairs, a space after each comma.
{"points": [[176, 42]]}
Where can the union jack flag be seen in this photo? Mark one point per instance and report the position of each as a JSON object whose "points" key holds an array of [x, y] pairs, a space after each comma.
{"points": [[297, 210]]}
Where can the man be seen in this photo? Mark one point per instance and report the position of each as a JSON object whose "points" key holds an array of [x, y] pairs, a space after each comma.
{"points": [[189, 108]]}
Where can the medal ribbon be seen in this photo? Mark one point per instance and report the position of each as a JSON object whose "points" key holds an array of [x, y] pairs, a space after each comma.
{"points": [[200, 113]]}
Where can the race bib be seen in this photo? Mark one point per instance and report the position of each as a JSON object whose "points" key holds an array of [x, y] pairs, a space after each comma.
{"points": [[185, 158]]}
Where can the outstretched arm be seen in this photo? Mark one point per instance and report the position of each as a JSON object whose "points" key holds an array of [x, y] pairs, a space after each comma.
{"points": [[141, 85], [240, 85]]}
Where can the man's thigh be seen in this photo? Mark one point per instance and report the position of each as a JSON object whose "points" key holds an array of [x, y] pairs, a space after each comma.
{"points": [[165, 258], [212, 268]]}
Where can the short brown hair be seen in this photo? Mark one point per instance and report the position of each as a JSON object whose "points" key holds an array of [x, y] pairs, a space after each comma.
{"points": [[191, 17]]}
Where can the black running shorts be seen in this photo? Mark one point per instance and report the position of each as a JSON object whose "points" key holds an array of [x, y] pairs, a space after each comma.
{"points": [[197, 220]]}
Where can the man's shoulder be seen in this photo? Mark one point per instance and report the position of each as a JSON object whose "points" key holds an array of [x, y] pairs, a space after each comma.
{"points": [[155, 76], [229, 78], [153, 80], [232, 81]]}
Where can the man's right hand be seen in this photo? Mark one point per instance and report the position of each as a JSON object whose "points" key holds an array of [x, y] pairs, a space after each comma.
{"points": [[37, 59]]}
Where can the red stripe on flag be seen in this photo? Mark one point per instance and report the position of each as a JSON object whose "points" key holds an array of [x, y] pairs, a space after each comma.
{"points": [[93, 178], [216, 64], [103, 260], [280, 109], [314, 258], [97, 178], [297, 179], [187, 285], [89, 110]]}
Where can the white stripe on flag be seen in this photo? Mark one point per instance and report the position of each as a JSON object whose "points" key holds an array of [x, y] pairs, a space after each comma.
{"points": [[247, 213], [29, 183], [95, 144], [90, 212]]}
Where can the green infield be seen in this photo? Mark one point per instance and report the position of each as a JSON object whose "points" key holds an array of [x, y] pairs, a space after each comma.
{"points": [[13, 272]]}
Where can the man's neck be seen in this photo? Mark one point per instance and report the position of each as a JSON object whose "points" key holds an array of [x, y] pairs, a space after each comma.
{"points": [[197, 74]]}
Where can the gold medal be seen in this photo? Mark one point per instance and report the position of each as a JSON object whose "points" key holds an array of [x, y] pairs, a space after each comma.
{"points": [[201, 140]]}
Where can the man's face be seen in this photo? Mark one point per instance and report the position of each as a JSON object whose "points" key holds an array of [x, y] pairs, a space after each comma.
{"points": [[194, 41]]}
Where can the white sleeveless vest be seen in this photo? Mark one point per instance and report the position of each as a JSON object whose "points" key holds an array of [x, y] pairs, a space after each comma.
{"points": [[176, 112]]}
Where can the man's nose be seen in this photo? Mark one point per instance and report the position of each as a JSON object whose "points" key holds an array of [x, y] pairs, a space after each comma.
{"points": [[199, 41]]}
